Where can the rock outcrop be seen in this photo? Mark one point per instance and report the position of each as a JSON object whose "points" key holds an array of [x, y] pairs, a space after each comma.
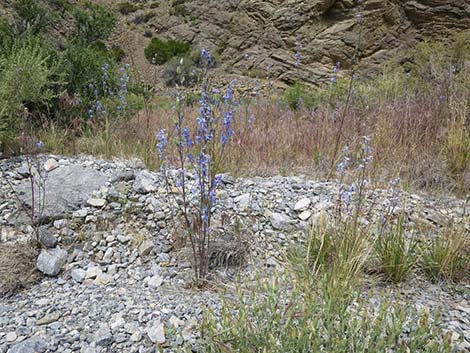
{"points": [[251, 35]]}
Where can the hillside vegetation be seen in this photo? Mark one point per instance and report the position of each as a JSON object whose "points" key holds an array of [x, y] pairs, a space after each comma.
{"points": [[66, 80], [236, 176]]}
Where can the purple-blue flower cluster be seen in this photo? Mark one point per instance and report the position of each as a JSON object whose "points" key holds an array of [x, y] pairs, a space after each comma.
{"points": [[124, 80], [348, 193], [336, 70], [229, 104], [298, 52], [162, 142], [206, 56], [199, 152], [366, 153], [118, 91]]}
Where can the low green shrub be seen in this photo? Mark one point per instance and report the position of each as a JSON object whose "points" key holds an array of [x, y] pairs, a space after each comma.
{"points": [[180, 10], [160, 51], [6, 35], [298, 95], [177, 2], [117, 54], [82, 67], [126, 8], [33, 15], [93, 23], [182, 72]]}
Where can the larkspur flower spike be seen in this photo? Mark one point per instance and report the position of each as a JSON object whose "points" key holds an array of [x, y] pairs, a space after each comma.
{"points": [[298, 52], [162, 142], [206, 55]]}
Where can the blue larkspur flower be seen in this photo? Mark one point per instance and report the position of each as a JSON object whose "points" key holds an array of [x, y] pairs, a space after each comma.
{"points": [[162, 142], [206, 55]]}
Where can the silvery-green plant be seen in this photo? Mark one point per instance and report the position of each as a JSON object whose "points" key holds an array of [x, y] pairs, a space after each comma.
{"points": [[287, 315]]}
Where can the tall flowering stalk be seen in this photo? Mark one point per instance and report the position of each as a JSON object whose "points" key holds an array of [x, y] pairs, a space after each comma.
{"points": [[111, 97], [37, 176], [298, 52], [351, 197], [354, 61], [200, 153]]}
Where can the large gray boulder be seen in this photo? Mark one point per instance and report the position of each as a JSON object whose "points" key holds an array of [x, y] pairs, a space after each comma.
{"points": [[67, 187], [31, 345], [51, 261]]}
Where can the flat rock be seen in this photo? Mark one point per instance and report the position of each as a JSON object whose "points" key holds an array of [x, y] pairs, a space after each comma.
{"points": [[103, 279], [243, 200], [154, 281], [23, 171], [48, 319], [93, 272], [51, 261], [96, 202], [67, 187], [46, 238], [305, 215], [280, 221], [11, 336], [302, 204], [50, 165]]}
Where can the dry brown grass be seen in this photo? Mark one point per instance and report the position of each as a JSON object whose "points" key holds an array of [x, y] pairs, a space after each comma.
{"points": [[417, 136], [17, 267]]}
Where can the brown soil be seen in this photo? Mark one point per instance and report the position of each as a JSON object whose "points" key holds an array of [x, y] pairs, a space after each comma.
{"points": [[17, 267]]}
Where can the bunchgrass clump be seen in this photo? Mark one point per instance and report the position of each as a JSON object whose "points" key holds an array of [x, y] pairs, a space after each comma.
{"points": [[335, 254], [447, 256], [396, 255]]}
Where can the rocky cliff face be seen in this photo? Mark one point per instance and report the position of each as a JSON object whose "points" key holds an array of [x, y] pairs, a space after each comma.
{"points": [[250, 35], [328, 31]]}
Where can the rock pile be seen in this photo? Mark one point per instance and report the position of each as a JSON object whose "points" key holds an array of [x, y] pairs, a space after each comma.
{"points": [[115, 280]]}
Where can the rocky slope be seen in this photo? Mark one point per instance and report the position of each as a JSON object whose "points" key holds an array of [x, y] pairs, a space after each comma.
{"points": [[251, 35], [113, 241]]}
